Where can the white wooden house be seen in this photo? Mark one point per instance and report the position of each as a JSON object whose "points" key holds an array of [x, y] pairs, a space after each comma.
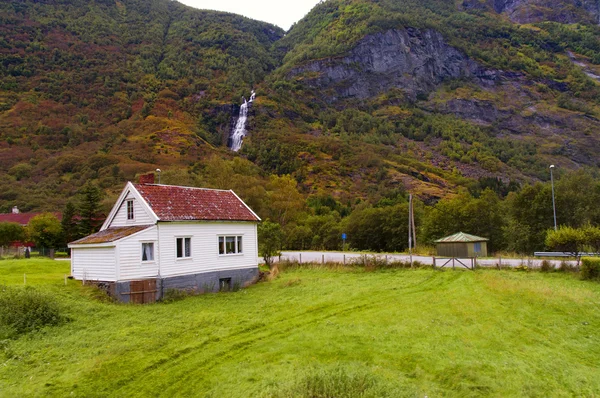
{"points": [[160, 237]]}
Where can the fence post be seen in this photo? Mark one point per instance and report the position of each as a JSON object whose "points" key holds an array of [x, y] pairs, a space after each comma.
{"points": [[433, 261], [452, 262], [322, 259], [344, 259], [300, 258]]}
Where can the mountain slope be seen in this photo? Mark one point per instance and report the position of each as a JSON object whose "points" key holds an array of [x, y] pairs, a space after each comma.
{"points": [[361, 99], [104, 89], [531, 11], [462, 91]]}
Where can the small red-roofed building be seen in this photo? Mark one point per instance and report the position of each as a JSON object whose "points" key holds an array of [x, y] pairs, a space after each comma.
{"points": [[17, 217], [22, 218], [162, 237]]}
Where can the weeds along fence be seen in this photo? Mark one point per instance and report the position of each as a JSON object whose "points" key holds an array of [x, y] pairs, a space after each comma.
{"points": [[368, 263], [383, 261]]}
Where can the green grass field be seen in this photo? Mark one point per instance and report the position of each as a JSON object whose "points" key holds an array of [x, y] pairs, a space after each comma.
{"points": [[313, 332]]}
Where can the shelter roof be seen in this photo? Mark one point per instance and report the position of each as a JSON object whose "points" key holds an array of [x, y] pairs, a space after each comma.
{"points": [[111, 235], [461, 237], [174, 203]]}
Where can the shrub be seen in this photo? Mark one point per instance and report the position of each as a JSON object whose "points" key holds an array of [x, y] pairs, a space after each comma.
{"points": [[173, 295], [373, 263], [546, 266], [24, 310], [521, 267], [590, 268], [338, 382], [565, 266], [566, 239]]}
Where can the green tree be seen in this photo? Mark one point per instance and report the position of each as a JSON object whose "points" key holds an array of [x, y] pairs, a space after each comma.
{"points": [[89, 209], [567, 239], [577, 195], [592, 238], [10, 232], [379, 228], [298, 237], [45, 231], [270, 237], [69, 224], [285, 203], [530, 212], [483, 216]]}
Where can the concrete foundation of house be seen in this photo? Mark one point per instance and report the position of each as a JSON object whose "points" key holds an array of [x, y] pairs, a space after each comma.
{"points": [[153, 289]]}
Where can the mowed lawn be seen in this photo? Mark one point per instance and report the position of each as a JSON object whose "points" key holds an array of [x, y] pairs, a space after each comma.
{"points": [[383, 333]]}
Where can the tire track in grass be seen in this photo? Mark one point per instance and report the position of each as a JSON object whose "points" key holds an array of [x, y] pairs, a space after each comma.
{"points": [[238, 343], [243, 345]]}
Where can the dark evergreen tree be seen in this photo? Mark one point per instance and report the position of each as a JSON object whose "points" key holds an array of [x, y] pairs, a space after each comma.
{"points": [[89, 209], [69, 223]]}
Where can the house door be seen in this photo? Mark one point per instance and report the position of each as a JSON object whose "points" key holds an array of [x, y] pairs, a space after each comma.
{"points": [[142, 292]]}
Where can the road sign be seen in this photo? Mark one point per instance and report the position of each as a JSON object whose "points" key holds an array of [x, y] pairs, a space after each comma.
{"points": [[344, 236]]}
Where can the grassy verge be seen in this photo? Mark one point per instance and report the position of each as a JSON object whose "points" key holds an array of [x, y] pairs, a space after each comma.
{"points": [[318, 331]]}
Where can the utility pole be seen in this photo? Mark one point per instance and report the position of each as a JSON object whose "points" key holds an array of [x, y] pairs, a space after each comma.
{"points": [[553, 201], [410, 229], [412, 217]]}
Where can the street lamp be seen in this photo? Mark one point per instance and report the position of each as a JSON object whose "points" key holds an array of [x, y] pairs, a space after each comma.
{"points": [[553, 201], [158, 171]]}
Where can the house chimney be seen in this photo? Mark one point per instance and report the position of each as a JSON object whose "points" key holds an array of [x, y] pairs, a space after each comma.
{"points": [[15, 210], [147, 178]]}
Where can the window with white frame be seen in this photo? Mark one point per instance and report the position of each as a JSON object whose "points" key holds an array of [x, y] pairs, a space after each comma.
{"points": [[184, 247], [130, 214], [230, 245], [148, 251]]}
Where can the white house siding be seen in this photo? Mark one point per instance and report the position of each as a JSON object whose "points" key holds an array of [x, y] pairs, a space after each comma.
{"points": [[204, 247], [94, 264], [140, 216], [130, 256]]}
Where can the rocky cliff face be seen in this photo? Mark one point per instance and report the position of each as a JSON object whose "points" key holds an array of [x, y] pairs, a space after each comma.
{"points": [[565, 131], [532, 11], [414, 60]]}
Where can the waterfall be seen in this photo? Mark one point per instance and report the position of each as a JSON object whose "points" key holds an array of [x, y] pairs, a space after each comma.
{"points": [[239, 131]]}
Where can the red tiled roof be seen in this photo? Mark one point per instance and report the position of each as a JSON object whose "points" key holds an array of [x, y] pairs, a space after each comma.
{"points": [[22, 218], [110, 235], [172, 203]]}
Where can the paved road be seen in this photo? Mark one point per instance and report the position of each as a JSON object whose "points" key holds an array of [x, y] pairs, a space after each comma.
{"points": [[339, 257]]}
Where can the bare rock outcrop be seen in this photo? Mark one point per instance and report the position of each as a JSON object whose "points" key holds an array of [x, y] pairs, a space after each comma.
{"points": [[414, 60]]}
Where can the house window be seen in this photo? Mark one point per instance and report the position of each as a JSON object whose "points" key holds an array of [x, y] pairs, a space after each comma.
{"points": [[130, 209], [225, 284], [147, 251], [184, 247], [230, 244], [477, 247]]}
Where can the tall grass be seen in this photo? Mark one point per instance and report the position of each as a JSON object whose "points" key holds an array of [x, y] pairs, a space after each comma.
{"points": [[318, 332], [24, 310], [335, 382]]}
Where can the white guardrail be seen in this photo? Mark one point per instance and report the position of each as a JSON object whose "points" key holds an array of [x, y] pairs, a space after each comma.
{"points": [[563, 254]]}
